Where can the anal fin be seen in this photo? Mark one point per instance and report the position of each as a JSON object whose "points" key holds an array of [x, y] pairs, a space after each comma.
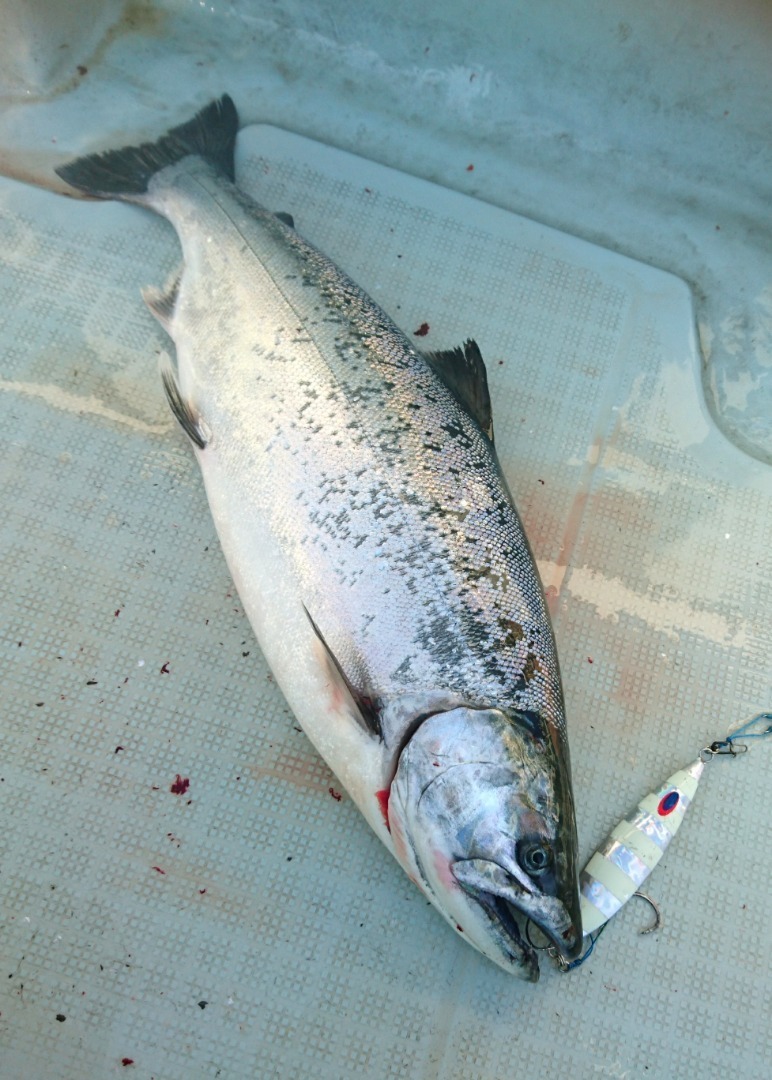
{"points": [[187, 417]]}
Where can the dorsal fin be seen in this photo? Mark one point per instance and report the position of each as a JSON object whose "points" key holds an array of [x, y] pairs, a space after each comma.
{"points": [[288, 219], [463, 371], [368, 706]]}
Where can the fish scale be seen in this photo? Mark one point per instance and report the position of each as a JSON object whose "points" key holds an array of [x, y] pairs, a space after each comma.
{"points": [[362, 391], [374, 544]]}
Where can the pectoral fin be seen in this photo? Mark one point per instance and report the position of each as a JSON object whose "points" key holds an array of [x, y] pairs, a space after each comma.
{"points": [[368, 706]]}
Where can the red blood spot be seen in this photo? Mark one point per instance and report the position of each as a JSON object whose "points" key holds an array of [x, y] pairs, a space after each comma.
{"points": [[383, 802], [118, 748], [589, 660], [127, 1061], [422, 330], [540, 481], [158, 868], [201, 892], [165, 668], [470, 168], [180, 785], [459, 928], [117, 612], [335, 794]]}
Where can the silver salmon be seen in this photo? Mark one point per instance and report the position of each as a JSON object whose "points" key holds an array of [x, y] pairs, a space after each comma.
{"points": [[374, 543]]}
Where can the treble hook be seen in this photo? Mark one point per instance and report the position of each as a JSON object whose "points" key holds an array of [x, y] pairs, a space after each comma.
{"points": [[657, 913]]}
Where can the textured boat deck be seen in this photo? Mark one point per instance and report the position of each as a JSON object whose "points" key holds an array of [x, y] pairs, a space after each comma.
{"points": [[249, 924], [185, 891]]}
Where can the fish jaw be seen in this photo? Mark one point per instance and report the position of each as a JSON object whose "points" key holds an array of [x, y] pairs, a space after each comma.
{"points": [[480, 822], [501, 890]]}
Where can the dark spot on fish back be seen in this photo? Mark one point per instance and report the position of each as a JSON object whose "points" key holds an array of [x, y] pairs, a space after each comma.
{"points": [[531, 668], [514, 632]]}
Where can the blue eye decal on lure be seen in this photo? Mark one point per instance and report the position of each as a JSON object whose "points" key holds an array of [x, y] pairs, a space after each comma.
{"points": [[668, 803]]}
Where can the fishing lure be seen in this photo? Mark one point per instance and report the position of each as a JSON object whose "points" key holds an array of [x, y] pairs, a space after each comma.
{"points": [[635, 846]]}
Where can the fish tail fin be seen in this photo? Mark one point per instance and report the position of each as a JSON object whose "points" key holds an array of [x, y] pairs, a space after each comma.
{"points": [[125, 173]]}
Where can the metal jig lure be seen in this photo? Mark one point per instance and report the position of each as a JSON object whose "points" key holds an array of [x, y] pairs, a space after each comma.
{"points": [[635, 846]]}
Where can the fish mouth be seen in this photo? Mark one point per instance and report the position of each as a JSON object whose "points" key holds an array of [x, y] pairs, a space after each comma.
{"points": [[509, 932], [509, 905]]}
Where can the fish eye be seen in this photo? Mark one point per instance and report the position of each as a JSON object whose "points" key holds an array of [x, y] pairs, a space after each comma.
{"points": [[535, 856]]}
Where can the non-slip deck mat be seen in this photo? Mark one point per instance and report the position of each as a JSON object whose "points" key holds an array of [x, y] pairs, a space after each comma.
{"points": [[184, 889]]}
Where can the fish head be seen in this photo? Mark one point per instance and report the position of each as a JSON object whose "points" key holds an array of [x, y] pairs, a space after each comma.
{"points": [[481, 815]]}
